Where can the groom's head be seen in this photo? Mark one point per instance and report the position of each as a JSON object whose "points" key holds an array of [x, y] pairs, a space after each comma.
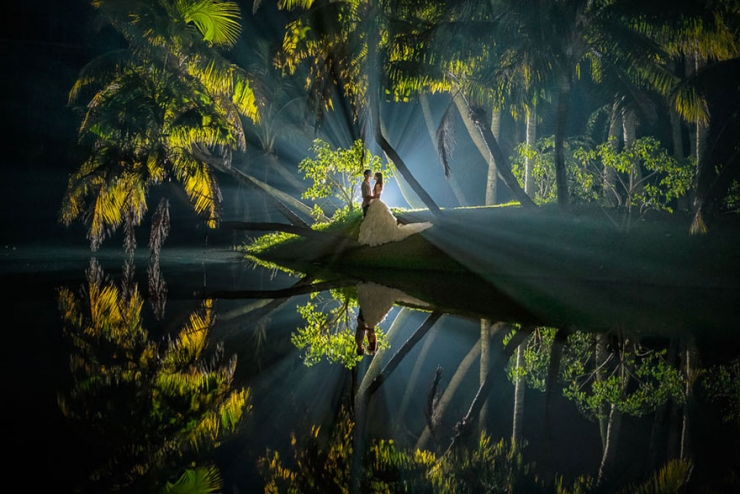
{"points": [[367, 173]]}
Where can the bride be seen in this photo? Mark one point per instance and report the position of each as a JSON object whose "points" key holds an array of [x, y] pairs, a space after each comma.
{"points": [[380, 226]]}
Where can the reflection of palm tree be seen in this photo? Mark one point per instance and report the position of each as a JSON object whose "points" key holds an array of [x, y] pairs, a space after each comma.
{"points": [[157, 407]]}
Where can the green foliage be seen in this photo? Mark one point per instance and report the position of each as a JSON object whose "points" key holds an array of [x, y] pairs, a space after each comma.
{"points": [[661, 180], [722, 383], [329, 332], [336, 173], [582, 179]]}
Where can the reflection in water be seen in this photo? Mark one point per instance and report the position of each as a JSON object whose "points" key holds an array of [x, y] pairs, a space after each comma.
{"points": [[152, 410], [607, 411]]}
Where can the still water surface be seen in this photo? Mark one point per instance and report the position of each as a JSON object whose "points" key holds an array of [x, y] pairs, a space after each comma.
{"points": [[315, 417]]}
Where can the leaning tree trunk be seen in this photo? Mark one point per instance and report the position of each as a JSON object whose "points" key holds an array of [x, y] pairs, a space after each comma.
{"points": [[561, 123], [492, 176], [400, 165], [431, 128], [478, 116], [480, 143]]}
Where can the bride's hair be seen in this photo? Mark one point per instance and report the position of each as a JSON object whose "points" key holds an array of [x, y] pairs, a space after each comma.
{"points": [[379, 177]]}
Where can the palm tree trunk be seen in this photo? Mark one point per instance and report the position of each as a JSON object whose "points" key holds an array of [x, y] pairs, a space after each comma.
{"points": [[611, 194], [478, 117], [561, 122], [600, 357], [690, 367], [492, 176], [629, 126], [431, 128]]}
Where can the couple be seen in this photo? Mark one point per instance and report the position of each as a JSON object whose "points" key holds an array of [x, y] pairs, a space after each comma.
{"points": [[379, 226]]}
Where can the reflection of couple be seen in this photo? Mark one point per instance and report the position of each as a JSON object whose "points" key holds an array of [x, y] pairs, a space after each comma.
{"points": [[375, 302], [379, 226]]}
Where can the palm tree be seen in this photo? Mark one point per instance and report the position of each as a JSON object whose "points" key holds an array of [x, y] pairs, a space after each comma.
{"points": [[156, 109], [346, 45]]}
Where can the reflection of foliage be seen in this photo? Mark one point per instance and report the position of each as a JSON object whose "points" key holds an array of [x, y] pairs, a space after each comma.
{"points": [[635, 379], [336, 173], [486, 467], [330, 329], [632, 377], [323, 465], [157, 405], [201, 480], [672, 477], [722, 383]]}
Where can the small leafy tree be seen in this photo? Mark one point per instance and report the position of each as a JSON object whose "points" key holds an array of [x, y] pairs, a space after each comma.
{"points": [[336, 173], [660, 180], [330, 329]]}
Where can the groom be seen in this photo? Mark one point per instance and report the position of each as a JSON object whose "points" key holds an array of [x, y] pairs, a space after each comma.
{"points": [[367, 191]]}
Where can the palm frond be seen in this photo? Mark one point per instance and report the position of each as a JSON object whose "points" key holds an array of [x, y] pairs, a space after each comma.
{"points": [[217, 21]]}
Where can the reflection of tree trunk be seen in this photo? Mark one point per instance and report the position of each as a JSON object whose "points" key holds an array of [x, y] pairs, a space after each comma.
{"points": [[520, 385], [431, 128], [464, 427], [690, 367], [411, 385], [600, 357], [449, 393], [556, 355], [485, 364], [610, 448], [401, 353]]}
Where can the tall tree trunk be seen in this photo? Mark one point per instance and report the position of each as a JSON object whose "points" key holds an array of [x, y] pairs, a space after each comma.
{"points": [[553, 368], [629, 127], [478, 117], [492, 175], [611, 194], [475, 136], [431, 128], [531, 142], [561, 127]]}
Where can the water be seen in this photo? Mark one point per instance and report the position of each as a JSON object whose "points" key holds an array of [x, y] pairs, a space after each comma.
{"points": [[289, 398]]}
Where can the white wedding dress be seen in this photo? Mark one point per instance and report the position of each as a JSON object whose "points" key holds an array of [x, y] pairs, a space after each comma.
{"points": [[380, 226]]}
